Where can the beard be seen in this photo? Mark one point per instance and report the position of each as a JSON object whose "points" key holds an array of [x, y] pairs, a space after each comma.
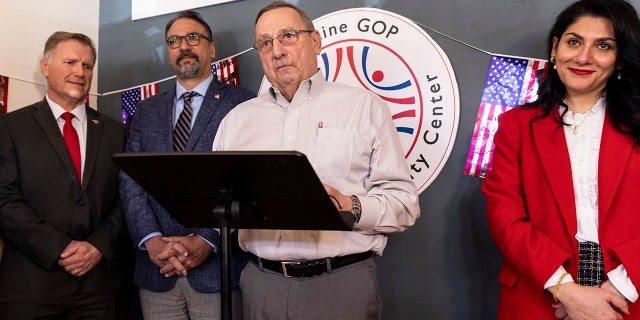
{"points": [[189, 69]]}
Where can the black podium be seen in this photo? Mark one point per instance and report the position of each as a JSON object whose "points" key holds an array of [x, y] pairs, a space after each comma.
{"points": [[236, 190]]}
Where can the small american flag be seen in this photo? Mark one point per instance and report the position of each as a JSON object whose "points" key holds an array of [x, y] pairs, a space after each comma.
{"points": [[510, 82], [226, 71], [131, 97]]}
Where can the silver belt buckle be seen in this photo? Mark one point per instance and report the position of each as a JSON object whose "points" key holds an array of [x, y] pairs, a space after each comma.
{"points": [[284, 267]]}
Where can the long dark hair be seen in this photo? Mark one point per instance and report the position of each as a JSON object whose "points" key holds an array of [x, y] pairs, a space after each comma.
{"points": [[622, 96]]}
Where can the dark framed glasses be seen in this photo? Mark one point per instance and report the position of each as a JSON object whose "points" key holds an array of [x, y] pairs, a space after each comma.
{"points": [[193, 39]]}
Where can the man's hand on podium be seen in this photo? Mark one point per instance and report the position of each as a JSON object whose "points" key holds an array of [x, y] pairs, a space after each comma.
{"points": [[341, 201]]}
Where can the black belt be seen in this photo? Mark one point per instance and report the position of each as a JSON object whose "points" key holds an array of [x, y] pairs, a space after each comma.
{"points": [[310, 268]]}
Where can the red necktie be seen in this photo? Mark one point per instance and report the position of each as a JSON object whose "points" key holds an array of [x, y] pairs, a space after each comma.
{"points": [[72, 141]]}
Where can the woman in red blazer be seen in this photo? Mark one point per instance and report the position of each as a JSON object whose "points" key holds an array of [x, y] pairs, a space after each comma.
{"points": [[563, 198]]}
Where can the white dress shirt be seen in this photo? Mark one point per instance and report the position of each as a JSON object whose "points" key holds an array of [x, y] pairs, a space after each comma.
{"points": [[350, 140]]}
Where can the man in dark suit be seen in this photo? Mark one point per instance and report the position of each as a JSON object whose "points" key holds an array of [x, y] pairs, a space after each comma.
{"points": [[178, 268], [60, 213]]}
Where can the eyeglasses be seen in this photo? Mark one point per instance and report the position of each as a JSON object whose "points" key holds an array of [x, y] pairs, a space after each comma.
{"points": [[286, 38], [193, 39]]}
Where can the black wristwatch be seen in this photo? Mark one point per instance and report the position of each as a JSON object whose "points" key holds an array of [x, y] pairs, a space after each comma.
{"points": [[356, 209]]}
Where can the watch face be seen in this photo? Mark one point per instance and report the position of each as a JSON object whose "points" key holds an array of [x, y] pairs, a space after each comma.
{"points": [[355, 210], [355, 207]]}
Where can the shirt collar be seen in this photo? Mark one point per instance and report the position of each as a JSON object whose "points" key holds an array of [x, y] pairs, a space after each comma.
{"points": [[201, 88], [597, 108], [79, 111], [308, 87]]}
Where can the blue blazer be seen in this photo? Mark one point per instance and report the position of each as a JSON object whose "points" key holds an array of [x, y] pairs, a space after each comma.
{"points": [[152, 131]]}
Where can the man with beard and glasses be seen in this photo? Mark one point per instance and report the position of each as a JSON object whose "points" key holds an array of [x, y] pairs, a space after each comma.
{"points": [[177, 268]]}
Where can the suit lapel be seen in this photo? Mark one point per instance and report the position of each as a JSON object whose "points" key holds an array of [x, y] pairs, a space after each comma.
{"points": [[208, 108], [94, 132], [44, 118], [164, 113], [551, 145], [612, 163]]}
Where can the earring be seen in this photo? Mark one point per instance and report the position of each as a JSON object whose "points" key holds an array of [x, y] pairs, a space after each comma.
{"points": [[554, 67], [619, 77], [552, 59]]}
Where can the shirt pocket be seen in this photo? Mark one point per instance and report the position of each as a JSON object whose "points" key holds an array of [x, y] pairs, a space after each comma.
{"points": [[333, 152]]}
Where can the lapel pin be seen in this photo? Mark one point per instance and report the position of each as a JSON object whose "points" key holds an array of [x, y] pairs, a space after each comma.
{"points": [[95, 121], [217, 96]]}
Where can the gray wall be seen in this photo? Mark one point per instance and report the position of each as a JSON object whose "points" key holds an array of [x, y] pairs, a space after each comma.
{"points": [[446, 266]]}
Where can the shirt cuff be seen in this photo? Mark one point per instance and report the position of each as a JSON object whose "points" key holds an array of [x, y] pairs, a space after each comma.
{"points": [[620, 279], [213, 246], [141, 245], [556, 276]]}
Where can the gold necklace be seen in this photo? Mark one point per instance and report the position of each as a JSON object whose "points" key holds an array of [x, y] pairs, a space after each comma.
{"points": [[577, 126]]}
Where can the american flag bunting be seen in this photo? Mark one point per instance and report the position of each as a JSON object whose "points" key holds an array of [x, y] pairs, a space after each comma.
{"points": [[4, 86], [131, 97], [226, 71]]}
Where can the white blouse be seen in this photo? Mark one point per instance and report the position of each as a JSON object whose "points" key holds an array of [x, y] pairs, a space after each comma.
{"points": [[583, 136]]}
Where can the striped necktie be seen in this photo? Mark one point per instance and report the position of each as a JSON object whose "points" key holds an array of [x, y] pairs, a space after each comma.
{"points": [[183, 126]]}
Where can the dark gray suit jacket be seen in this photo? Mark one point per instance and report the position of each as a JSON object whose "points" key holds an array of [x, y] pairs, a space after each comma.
{"points": [[43, 208], [152, 131]]}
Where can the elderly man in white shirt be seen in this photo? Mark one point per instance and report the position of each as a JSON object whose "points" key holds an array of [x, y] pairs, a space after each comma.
{"points": [[349, 137]]}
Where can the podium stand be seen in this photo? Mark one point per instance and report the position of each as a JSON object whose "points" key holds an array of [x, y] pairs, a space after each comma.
{"points": [[236, 190]]}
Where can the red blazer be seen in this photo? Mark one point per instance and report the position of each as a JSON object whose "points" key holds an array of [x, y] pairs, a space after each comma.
{"points": [[532, 214]]}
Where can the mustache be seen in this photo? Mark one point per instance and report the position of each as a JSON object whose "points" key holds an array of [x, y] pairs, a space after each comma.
{"points": [[281, 63], [186, 54]]}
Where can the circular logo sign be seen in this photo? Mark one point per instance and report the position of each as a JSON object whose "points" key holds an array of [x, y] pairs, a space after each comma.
{"points": [[393, 57]]}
